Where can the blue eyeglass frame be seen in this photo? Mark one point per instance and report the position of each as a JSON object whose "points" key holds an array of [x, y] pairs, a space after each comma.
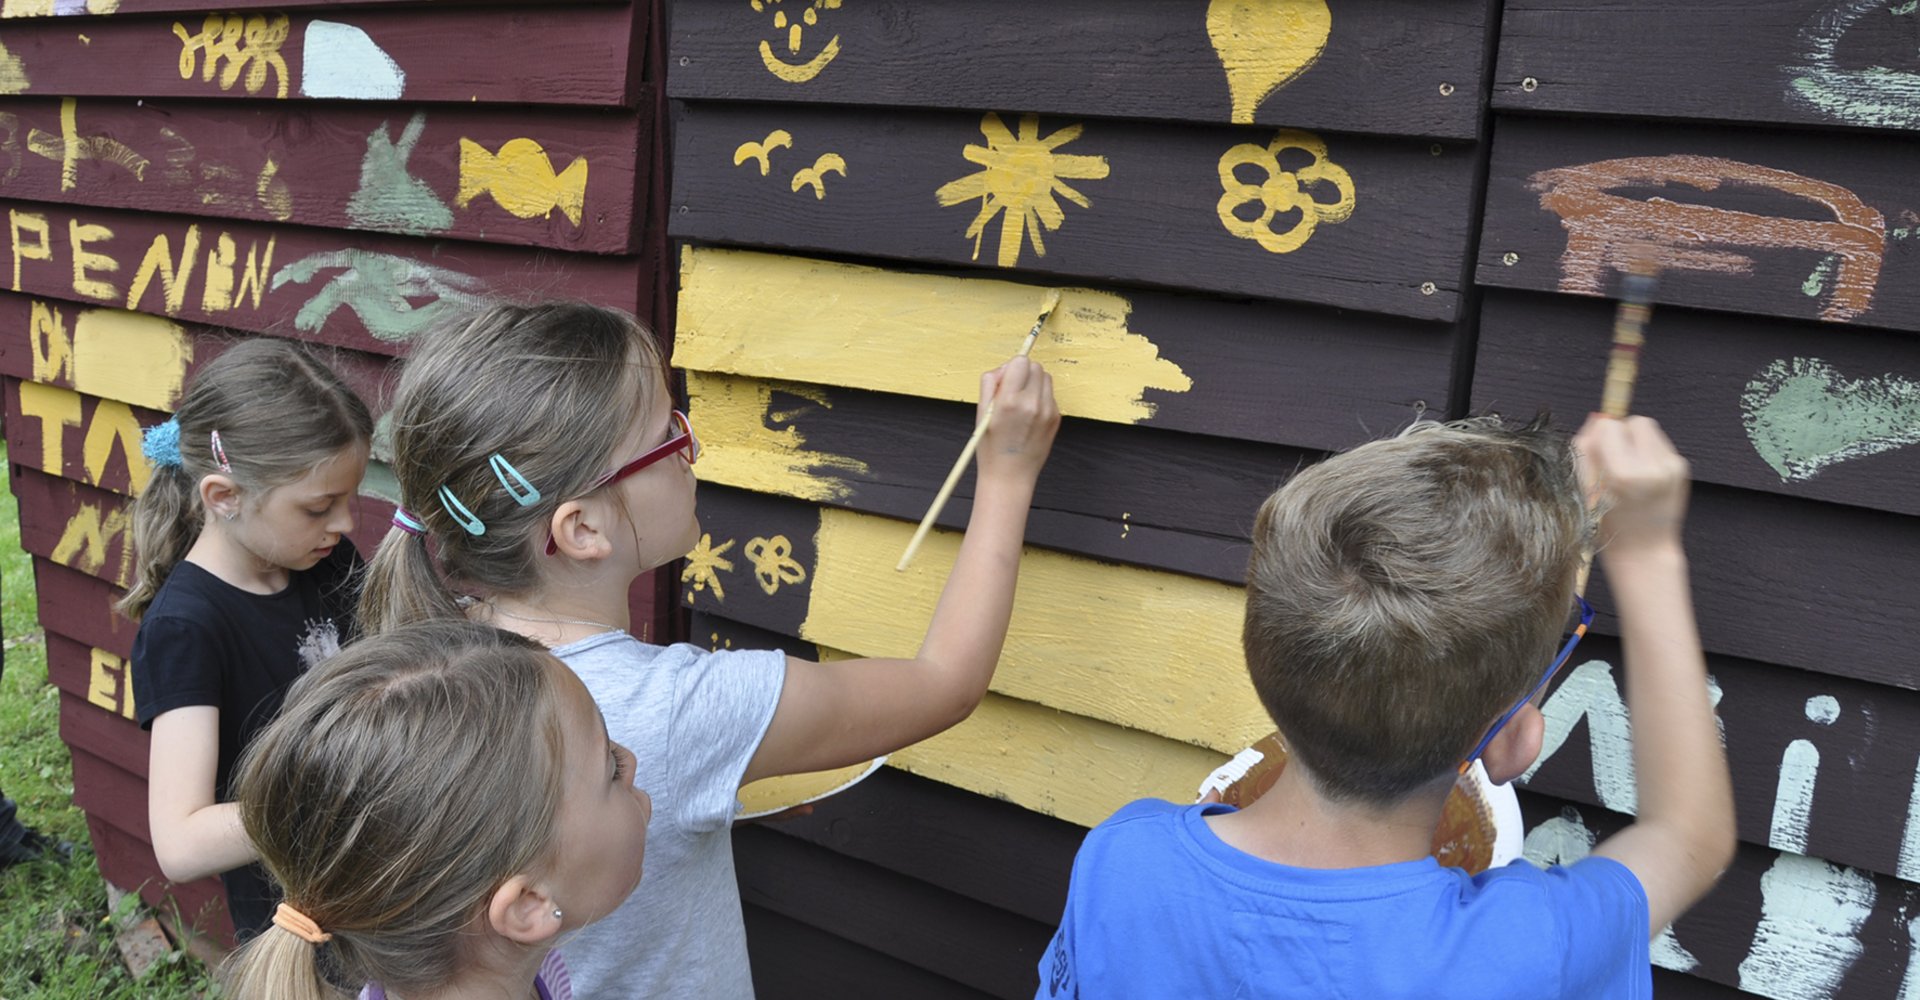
{"points": [[1566, 652]]}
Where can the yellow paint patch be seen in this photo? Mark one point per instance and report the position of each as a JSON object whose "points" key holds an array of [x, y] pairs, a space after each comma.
{"points": [[13, 73], [109, 685], [521, 180], [112, 424], [131, 357], [750, 442], [770, 316], [1140, 648], [89, 537], [1264, 44], [1052, 762], [771, 795], [56, 410]]}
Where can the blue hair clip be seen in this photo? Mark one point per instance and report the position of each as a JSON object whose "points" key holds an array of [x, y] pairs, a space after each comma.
{"points": [[519, 488], [161, 444], [460, 514]]}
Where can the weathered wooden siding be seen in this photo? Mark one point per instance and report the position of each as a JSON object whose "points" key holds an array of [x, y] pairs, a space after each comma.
{"points": [[174, 180], [853, 251]]}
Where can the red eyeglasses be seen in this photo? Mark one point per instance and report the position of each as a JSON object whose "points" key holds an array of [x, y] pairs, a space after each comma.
{"points": [[682, 439]]}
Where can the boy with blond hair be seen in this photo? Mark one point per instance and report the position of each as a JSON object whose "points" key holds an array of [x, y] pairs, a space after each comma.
{"points": [[1403, 601]]}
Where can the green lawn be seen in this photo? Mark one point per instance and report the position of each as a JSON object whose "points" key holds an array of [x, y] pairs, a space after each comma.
{"points": [[56, 934]]}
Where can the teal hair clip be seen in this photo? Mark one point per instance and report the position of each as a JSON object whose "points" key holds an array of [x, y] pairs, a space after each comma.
{"points": [[161, 444], [518, 487], [460, 514]]}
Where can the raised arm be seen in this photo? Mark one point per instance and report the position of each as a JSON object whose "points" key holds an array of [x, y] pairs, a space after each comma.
{"points": [[843, 712], [193, 835], [1683, 837]]}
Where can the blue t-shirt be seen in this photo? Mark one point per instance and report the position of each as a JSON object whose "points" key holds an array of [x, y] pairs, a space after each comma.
{"points": [[1161, 907]]}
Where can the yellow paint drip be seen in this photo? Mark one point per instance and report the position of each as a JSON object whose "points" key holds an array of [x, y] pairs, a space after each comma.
{"points": [[131, 357], [1140, 648], [770, 316], [1052, 762], [1264, 44], [747, 442]]}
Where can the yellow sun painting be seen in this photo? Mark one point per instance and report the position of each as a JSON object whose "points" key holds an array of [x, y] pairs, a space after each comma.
{"points": [[1019, 176]]}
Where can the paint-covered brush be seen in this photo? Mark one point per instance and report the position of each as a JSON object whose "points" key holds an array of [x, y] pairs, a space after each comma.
{"points": [[1047, 307], [1637, 288]]}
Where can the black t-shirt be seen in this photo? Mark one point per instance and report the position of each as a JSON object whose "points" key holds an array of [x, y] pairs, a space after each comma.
{"points": [[204, 641]]}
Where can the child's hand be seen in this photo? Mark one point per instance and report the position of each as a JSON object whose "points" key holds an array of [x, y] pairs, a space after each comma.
{"points": [[1637, 480], [1025, 418]]}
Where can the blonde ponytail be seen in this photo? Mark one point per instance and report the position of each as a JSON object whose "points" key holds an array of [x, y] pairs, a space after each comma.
{"points": [[401, 586], [277, 964], [166, 522]]}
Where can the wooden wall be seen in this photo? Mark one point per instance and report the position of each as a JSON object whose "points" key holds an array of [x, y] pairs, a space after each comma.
{"points": [[1407, 208], [173, 179]]}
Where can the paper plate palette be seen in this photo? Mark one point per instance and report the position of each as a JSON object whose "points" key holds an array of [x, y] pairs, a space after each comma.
{"points": [[768, 796]]}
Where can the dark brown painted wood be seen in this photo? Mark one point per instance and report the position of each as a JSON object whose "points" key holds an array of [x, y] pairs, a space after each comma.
{"points": [[1721, 931], [368, 292], [339, 166], [1825, 229], [117, 796], [546, 54], [956, 938], [127, 862], [794, 961], [84, 607], [30, 438], [81, 8], [1400, 67], [1787, 61], [1154, 216], [1736, 394], [111, 737], [1777, 579], [1668, 985]]}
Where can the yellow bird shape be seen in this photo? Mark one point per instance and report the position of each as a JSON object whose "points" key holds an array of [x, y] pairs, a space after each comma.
{"points": [[761, 151], [816, 174]]}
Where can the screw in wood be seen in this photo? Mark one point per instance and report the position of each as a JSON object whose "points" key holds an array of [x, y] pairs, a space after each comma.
{"points": [[1529, 85], [1435, 149], [1428, 288], [1446, 90], [1510, 258]]}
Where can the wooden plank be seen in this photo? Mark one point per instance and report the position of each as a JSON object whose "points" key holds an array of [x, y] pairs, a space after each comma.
{"points": [[1079, 640], [24, 9], [1397, 66], [114, 795], [989, 950], [128, 863], [1739, 220], [63, 433], [117, 740], [1108, 492], [1256, 371], [97, 707], [794, 961], [1669, 985], [1385, 232], [1821, 765], [1786, 407], [567, 181], [368, 292], [1834, 62], [561, 54], [1778, 925], [80, 606]]}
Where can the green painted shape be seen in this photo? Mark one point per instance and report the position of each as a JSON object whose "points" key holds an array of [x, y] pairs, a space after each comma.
{"points": [[389, 197], [381, 289], [1817, 281], [1801, 416]]}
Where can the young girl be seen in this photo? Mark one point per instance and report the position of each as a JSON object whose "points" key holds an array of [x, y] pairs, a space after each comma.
{"points": [[245, 579], [544, 468], [440, 803]]}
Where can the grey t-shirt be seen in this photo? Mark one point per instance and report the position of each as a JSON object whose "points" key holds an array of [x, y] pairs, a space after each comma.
{"points": [[693, 720]]}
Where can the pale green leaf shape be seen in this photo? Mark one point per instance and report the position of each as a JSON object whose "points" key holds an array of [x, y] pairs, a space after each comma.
{"points": [[1802, 416]]}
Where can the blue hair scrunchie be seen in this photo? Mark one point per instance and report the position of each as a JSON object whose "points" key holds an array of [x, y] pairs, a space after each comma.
{"points": [[161, 444]]}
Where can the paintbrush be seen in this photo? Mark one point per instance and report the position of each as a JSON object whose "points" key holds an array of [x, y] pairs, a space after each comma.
{"points": [[973, 443], [1637, 287]]}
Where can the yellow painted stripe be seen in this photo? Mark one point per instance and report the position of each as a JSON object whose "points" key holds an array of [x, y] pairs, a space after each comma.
{"points": [[747, 440], [110, 353], [772, 316], [1149, 650], [1052, 762]]}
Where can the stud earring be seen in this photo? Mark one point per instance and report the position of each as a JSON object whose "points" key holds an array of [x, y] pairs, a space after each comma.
{"points": [[556, 914]]}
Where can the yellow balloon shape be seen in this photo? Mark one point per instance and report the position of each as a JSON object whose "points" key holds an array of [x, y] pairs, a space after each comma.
{"points": [[1264, 44]]}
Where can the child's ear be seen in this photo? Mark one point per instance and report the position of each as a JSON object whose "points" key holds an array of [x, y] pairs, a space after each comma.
{"points": [[522, 911], [220, 494], [576, 532], [1516, 746]]}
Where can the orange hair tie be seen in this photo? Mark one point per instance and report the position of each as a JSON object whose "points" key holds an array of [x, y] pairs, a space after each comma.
{"points": [[299, 925]]}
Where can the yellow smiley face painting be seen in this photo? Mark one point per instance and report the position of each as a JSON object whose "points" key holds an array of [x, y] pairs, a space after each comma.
{"points": [[796, 23]]}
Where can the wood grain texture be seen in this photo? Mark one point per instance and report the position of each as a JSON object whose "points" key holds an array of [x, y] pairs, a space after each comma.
{"points": [[1386, 231], [1831, 62], [1777, 925], [1270, 372], [1739, 221], [568, 180], [1378, 67], [115, 795], [85, 607], [548, 54], [1794, 408], [983, 948], [368, 292], [792, 960]]}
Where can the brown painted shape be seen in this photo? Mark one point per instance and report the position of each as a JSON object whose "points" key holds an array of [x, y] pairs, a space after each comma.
{"points": [[1605, 228]]}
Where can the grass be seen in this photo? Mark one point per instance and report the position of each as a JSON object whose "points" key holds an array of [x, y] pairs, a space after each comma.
{"points": [[56, 930]]}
